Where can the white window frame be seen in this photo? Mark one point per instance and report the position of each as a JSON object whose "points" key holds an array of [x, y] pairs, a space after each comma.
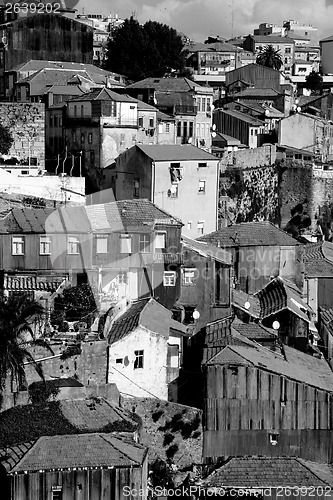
{"points": [[169, 278], [144, 239], [102, 243], [202, 187], [73, 245], [125, 243], [139, 354], [18, 245], [201, 226], [158, 244], [188, 276], [45, 245]]}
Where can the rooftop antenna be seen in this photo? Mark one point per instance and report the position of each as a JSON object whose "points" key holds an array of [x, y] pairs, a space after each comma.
{"points": [[232, 19]]}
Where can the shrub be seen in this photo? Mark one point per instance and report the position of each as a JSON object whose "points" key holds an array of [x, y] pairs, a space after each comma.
{"points": [[42, 391], [168, 438]]}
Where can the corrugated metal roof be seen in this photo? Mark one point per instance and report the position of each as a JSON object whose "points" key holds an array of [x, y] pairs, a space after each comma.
{"points": [[296, 365], [266, 472], [172, 152], [315, 263], [255, 122], [81, 450], [250, 234], [207, 250]]}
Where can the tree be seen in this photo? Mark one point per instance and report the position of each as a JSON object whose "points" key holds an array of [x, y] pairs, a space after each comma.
{"points": [[77, 303], [314, 82], [150, 50], [17, 314], [269, 57], [6, 140]]}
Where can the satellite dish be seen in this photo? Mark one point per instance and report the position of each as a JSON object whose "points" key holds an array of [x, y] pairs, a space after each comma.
{"points": [[213, 134], [276, 325], [266, 112], [247, 305], [214, 126], [299, 109], [212, 107]]}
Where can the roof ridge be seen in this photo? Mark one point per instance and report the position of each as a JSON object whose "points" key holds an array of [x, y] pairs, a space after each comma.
{"points": [[116, 448]]}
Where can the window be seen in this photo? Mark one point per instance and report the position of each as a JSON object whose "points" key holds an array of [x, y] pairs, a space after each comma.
{"points": [[90, 138], [57, 495], [119, 361], [144, 242], [82, 138], [18, 245], [202, 165], [222, 285], [208, 105], [160, 240], [188, 276], [203, 105], [122, 139], [179, 129], [18, 93], [60, 121], [138, 362], [92, 157], [73, 245], [167, 128], [140, 121], [101, 243], [185, 129], [82, 110], [75, 110], [190, 130], [173, 191], [176, 173], [202, 187], [151, 122], [199, 103], [122, 278], [189, 225], [201, 227], [45, 245], [136, 188], [51, 121], [169, 278], [287, 50], [55, 120], [125, 243]]}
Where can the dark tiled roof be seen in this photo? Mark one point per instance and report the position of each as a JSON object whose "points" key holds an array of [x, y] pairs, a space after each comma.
{"points": [[170, 99], [268, 39], [239, 299], [259, 472], [11, 455], [296, 365], [172, 152], [326, 315], [81, 450], [164, 117], [250, 234], [315, 263], [258, 92], [127, 321], [166, 84], [18, 282], [104, 95], [254, 331]]}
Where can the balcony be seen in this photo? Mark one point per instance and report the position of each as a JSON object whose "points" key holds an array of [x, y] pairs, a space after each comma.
{"points": [[185, 110], [168, 258]]}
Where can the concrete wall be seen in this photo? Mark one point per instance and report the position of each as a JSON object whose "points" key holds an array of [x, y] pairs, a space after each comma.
{"points": [[141, 382], [26, 123], [249, 158], [327, 57], [48, 187]]}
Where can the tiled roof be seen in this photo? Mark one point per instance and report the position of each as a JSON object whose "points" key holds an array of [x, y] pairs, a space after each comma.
{"points": [[11, 455], [164, 117], [212, 47], [127, 321], [258, 93], [255, 122], [326, 315], [170, 99], [328, 39], [171, 152], [206, 249], [250, 234], [239, 299], [268, 39], [166, 84], [47, 283], [70, 90], [296, 365], [315, 263], [254, 331], [81, 450], [231, 141], [258, 472], [104, 95]]}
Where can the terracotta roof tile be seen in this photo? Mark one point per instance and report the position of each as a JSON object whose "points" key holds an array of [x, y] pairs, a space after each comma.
{"points": [[172, 152], [257, 472], [18, 282], [254, 331], [81, 450]]}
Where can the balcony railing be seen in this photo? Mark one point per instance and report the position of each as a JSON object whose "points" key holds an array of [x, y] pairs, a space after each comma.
{"points": [[168, 258]]}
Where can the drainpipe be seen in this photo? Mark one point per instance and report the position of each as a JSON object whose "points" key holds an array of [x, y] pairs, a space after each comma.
{"points": [[152, 195]]}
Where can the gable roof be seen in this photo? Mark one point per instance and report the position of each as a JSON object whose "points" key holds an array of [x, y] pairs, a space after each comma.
{"points": [[315, 263], [81, 450], [328, 39], [127, 322], [245, 234], [104, 94], [259, 93], [269, 39], [172, 152], [166, 84], [254, 331], [294, 365], [261, 472], [63, 417], [255, 122], [207, 250]]}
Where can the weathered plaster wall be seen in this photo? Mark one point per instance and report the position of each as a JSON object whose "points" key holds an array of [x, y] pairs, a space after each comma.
{"points": [[26, 122], [247, 158]]}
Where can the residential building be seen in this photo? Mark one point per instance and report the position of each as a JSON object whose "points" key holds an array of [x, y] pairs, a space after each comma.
{"points": [[223, 144], [166, 128], [126, 250], [259, 252], [205, 285], [265, 112], [189, 103], [285, 45], [213, 59], [145, 351], [316, 136], [180, 179], [326, 45], [294, 28], [101, 124], [265, 29], [147, 123], [27, 37], [64, 465], [247, 129], [261, 402]]}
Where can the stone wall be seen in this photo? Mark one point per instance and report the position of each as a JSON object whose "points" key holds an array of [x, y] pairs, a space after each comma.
{"points": [[26, 123], [249, 158]]}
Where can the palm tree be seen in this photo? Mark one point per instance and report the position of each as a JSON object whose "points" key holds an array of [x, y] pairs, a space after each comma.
{"points": [[17, 314], [270, 57]]}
